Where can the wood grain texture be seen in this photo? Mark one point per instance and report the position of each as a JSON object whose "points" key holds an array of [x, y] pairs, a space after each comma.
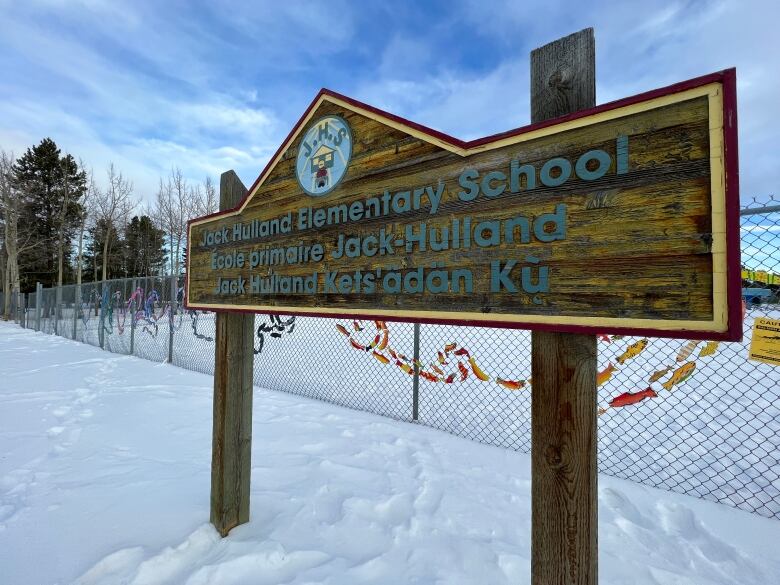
{"points": [[564, 484], [658, 210], [231, 454], [564, 464], [559, 85]]}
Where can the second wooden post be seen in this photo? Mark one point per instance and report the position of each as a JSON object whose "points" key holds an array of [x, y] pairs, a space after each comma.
{"points": [[564, 489], [231, 454]]}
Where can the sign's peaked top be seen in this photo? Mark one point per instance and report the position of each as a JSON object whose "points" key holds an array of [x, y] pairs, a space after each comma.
{"points": [[456, 145]]}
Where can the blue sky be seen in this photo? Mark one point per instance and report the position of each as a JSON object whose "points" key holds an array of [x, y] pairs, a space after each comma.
{"points": [[210, 86]]}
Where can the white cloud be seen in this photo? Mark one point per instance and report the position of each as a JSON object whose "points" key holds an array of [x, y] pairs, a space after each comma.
{"points": [[161, 86]]}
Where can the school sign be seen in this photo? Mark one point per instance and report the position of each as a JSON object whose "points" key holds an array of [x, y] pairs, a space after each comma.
{"points": [[622, 219]]}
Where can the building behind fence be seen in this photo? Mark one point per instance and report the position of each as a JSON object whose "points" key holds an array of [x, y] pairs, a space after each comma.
{"points": [[715, 436]]}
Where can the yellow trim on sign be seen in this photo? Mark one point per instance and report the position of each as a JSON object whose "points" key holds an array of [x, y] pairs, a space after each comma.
{"points": [[718, 208], [714, 94], [459, 316]]}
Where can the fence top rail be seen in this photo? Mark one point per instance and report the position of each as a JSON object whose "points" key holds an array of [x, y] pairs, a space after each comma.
{"points": [[760, 210]]}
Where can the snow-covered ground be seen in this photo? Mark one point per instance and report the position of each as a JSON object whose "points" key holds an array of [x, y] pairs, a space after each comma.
{"points": [[104, 479], [716, 436]]}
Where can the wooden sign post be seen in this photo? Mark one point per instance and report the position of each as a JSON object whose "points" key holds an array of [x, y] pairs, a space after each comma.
{"points": [[621, 218], [231, 452], [564, 465]]}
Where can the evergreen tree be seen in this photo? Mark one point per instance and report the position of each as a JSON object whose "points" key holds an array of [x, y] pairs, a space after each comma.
{"points": [[144, 247], [52, 186], [93, 258]]}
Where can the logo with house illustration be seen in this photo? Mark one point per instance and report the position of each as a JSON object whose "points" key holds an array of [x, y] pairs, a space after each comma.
{"points": [[323, 155]]}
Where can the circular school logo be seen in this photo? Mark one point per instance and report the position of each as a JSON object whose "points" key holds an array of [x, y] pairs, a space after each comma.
{"points": [[323, 155]]}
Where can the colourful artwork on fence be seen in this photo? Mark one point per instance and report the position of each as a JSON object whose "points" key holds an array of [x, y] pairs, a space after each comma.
{"points": [[454, 363], [147, 309]]}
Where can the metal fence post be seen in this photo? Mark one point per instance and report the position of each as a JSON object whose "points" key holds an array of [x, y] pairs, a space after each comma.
{"points": [[76, 307], [38, 305], [57, 304], [101, 319], [416, 379], [132, 317], [172, 305], [23, 313]]}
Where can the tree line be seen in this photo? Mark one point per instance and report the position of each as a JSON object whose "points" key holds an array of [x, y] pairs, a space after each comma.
{"points": [[59, 225]]}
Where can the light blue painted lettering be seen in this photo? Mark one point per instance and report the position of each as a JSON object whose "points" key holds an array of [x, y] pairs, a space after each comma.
{"points": [[412, 238], [542, 278], [499, 276], [435, 196], [490, 189], [565, 172], [467, 181], [494, 239], [603, 159], [401, 202], [510, 225], [515, 170], [622, 154], [558, 221]]}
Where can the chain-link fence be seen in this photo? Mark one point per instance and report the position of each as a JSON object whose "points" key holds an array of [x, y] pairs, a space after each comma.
{"points": [[709, 426]]}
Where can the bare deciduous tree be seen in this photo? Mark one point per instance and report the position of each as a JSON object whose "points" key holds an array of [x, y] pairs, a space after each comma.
{"points": [[112, 206], [14, 243], [176, 203], [207, 201]]}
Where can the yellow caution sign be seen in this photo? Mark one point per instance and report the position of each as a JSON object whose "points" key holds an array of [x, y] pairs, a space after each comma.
{"points": [[765, 345]]}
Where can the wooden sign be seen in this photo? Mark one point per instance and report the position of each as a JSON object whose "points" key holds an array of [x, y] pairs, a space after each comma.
{"points": [[765, 343], [622, 219]]}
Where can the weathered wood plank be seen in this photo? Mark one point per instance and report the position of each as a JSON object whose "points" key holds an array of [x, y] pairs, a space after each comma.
{"points": [[564, 481], [560, 84], [564, 490], [231, 460]]}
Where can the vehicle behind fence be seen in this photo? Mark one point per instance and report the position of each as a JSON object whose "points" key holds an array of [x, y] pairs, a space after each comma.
{"points": [[712, 431]]}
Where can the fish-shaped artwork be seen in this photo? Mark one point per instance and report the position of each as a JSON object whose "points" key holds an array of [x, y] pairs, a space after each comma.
{"points": [[511, 384], [380, 357], [462, 351], [709, 349], [687, 350], [357, 326], [632, 397], [477, 371], [405, 367], [450, 347], [383, 343], [680, 375], [342, 329], [632, 351], [603, 337], [442, 358], [464, 373], [437, 369], [450, 379], [428, 376], [605, 374], [659, 374]]}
